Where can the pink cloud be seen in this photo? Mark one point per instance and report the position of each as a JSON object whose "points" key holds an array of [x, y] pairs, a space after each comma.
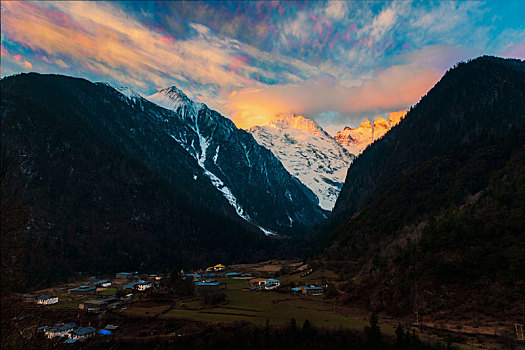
{"points": [[17, 57], [4, 51], [28, 65], [515, 51]]}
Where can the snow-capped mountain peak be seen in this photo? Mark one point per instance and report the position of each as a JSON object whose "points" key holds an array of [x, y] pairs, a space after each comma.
{"points": [[173, 98], [296, 122], [307, 152]]}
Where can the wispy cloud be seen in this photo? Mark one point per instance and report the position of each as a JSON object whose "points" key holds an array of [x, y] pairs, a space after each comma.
{"points": [[334, 61]]}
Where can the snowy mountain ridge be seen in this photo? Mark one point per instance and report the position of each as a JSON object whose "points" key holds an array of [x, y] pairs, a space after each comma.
{"points": [[357, 139]]}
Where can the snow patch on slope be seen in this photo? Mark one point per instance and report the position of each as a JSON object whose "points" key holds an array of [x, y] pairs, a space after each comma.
{"points": [[174, 99]]}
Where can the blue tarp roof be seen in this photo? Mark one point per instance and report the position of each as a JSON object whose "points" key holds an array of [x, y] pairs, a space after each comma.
{"points": [[296, 289], [71, 341], [104, 332], [83, 289], [312, 287], [232, 274], [44, 297], [271, 280], [123, 273], [208, 283]]}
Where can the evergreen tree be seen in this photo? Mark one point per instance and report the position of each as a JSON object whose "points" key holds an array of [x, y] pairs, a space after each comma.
{"points": [[373, 333], [293, 325]]}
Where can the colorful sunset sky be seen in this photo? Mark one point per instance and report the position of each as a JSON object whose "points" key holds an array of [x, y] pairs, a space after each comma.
{"points": [[336, 62]]}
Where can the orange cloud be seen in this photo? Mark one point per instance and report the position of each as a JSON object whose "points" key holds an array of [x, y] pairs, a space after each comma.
{"points": [[108, 42], [393, 89]]}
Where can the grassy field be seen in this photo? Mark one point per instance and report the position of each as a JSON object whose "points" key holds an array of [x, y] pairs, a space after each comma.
{"points": [[109, 291], [277, 308]]}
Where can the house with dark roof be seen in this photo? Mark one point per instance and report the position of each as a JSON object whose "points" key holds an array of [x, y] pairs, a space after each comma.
{"points": [[82, 333], [86, 290], [60, 331], [28, 298], [143, 285], [99, 304], [124, 275], [130, 285]]}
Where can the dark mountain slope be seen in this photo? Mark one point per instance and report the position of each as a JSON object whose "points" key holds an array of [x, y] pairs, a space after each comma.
{"points": [[250, 176], [110, 190], [438, 202]]}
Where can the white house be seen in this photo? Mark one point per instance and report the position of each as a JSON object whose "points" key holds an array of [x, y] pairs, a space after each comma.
{"points": [[104, 284], [143, 285], [82, 333], [47, 300], [60, 331]]}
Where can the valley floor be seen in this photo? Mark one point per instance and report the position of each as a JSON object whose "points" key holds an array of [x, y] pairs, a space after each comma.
{"points": [[149, 317]]}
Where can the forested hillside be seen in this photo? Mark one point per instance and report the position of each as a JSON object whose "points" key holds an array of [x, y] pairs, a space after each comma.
{"points": [[432, 215]]}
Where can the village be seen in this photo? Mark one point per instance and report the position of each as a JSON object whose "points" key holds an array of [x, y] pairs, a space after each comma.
{"points": [[133, 306], [129, 293]]}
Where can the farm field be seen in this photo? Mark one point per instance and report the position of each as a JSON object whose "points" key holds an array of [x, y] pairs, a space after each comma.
{"points": [[257, 307]]}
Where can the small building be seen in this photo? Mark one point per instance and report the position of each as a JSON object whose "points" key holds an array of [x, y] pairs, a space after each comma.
{"points": [[103, 284], [154, 277], [143, 285], [28, 298], [82, 333], [130, 285], [311, 290], [47, 300], [271, 283], [219, 267], [60, 331], [99, 305], [123, 275], [204, 286], [265, 283], [257, 282], [84, 290]]}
